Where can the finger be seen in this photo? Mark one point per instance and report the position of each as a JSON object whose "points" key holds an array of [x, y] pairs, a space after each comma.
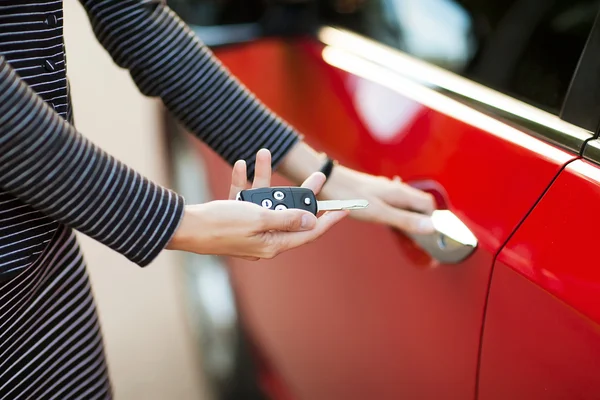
{"points": [[315, 182], [262, 169], [406, 221], [292, 240], [239, 180], [292, 220], [249, 258], [405, 196]]}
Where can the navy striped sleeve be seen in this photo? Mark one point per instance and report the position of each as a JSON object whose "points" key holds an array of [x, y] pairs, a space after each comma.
{"points": [[166, 59], [53, 168]]}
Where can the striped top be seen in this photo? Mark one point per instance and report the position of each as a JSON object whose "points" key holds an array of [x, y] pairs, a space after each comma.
{"points": [[50, 174], [54, 180]]}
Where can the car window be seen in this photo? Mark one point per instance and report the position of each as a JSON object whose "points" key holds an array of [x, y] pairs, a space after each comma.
{"points": [[528, 49], [218, 12]]}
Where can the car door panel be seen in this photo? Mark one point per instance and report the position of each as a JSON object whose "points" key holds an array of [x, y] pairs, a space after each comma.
{"points": [[542, 334], [355, 315]]}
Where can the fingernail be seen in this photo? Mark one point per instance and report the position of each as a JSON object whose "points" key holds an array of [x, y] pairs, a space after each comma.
{"points": [[426, 226], [307, 222]]}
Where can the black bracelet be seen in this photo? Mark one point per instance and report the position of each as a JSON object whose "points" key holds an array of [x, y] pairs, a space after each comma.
{"points": [[328, 167]]}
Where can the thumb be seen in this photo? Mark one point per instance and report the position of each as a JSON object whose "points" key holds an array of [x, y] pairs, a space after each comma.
{"points": [[288, 220]]}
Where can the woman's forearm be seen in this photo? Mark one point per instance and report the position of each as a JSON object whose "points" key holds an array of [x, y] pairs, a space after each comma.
{"points": [[50, 166], [166, 59]]}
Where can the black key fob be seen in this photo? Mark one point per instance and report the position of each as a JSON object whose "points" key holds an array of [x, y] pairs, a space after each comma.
{"points": [[281, 198]]}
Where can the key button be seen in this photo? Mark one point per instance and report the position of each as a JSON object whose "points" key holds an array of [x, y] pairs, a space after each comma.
{"points": [[280, 207], [266, 203], [307, 201], [279, 195]]}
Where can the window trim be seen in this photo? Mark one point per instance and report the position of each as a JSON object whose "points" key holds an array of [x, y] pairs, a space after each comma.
{"points": [[591, 151], [340, 43]]}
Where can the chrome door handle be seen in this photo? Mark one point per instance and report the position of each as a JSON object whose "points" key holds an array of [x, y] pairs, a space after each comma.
{"points": [[452, 242]]}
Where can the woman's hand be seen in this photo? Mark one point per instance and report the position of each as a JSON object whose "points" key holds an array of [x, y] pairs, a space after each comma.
{"points": [[391, 202], [242, 229]]}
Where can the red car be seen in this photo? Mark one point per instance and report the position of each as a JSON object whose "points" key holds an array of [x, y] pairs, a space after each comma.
{"points": [[491, 105]]}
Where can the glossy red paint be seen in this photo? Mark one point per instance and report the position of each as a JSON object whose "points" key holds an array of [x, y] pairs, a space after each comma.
{"points": [[363, 313], [569, 271], [542, 334]]}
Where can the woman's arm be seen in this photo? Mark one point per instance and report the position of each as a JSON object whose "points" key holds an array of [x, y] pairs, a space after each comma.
{"points": [[45, 162], [166, 59], [50, 166]]}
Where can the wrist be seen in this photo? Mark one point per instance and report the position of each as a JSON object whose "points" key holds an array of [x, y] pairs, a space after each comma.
{"points": [[301, 162], [183, 234], [328, 166], [334, 187]]}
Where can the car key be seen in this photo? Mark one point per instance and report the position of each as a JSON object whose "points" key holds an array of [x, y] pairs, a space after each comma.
{"points": [[282, 198]]}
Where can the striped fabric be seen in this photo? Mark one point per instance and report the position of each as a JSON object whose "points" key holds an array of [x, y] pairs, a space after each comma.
{"points": [[53, 180], [50, 341]]}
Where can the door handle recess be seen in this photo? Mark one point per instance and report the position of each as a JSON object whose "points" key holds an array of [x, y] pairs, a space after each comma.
{"points": [[452, 242]]}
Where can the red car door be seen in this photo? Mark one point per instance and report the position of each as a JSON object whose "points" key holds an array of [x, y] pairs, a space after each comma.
{"points": [[542, 326], [542, 331], [460, 98]]}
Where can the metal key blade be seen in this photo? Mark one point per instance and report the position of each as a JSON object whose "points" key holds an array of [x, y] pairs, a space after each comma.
{"points": [[332, 205]]}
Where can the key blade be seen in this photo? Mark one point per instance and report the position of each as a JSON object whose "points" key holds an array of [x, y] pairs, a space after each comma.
{"points": [[334, 205]]}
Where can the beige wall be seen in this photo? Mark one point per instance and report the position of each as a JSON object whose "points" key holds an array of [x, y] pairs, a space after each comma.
{"points": [[149, 346]]}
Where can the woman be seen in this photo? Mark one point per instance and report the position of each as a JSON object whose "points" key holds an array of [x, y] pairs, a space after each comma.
{"points": [[54, 181]]}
